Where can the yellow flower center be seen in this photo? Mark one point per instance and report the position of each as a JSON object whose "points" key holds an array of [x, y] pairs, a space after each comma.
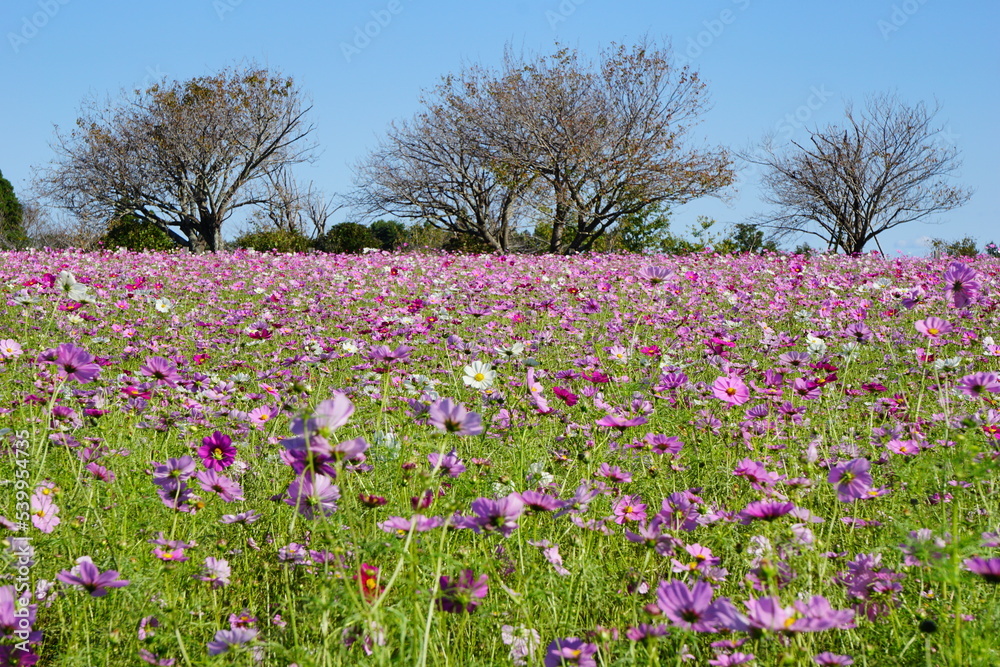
{"points": [[932, 331], [730, 391], [479, 377]]}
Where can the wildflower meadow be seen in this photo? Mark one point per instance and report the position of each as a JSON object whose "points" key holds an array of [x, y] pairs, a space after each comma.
{"points": [[430, 459]]}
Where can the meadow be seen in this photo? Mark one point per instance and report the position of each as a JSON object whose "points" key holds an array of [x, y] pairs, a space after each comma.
{"points": [[432, 459]]}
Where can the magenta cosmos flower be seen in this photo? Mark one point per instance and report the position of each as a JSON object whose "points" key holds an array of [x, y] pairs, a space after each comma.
{"points": [[463, 594], [570, 651], [693, 608], [161, 370], [217, 451], [731, 389], [74, 363], [313, 495], [852, 479], [92, 580]]}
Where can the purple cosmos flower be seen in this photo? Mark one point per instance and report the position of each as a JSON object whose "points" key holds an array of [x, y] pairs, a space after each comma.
{"points": [[852, 479], [462, 594], [224, 487], [418, 523], [977, 384], [691, 608], [498, 515], [987, 568], [217, 451], [731, 389], [74, 363], [961, 285], [247, 517], [161, 370], [452, 417], [730, 659], [540, 502], [227, 639], [652, 536], [216, 572], [655, 275], [100, 472], [813, 616], [87, 576], [312, 495], [329, 415], [448, 464], [645, 631], [570, 651], [153, 659], [767, 510], [832, 659], [620, 423]]}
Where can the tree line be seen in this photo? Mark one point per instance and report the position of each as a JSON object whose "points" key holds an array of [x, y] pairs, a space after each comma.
{"points": [[557, 153]]}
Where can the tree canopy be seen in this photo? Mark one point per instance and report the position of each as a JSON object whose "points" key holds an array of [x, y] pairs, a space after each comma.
{"points": [[182, 154]]}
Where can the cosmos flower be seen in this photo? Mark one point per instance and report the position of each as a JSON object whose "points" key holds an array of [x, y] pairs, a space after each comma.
{"points": [[960, 284], [161, 370], [570, 651], [227, 639], [89, 578], [852, 479], [452, 417], [216, 572], [932, 327], [987, 568], [313, 495], [731, 389], [74, 363], [691, 608], [463, 593], [217, 452], [479, 375]]}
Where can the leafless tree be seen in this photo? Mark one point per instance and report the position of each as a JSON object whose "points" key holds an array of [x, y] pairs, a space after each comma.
{"points": [[427, 169], [607, 138], [181, 154], [583, 145], [886, 166]]}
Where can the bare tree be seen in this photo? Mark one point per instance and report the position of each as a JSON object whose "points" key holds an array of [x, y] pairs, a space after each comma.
{"points": [[181, 154], [427, 169], [885, 167], [607, 138]]}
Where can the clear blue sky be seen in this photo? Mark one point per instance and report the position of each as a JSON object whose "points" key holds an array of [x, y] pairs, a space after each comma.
{"points": [[765, 62]]}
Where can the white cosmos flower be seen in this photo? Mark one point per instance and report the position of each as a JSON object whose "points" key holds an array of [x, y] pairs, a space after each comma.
{"points": [[163, 305], [479, 375]]}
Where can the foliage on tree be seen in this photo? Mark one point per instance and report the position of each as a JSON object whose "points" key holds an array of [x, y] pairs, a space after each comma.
{"points": [[963, 247], [884, 167], [12, 234], [133, 234], [588, 144], [278, 240], [348, 238], [182, 154], [391, 234]]}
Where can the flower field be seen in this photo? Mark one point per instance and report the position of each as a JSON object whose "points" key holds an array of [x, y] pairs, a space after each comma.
{"points": [[431, 459]]}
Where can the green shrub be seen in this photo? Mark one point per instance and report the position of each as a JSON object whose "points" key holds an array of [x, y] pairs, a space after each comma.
{"points": [[348, 238], [390, 234], [129, 232], [280, 240]]}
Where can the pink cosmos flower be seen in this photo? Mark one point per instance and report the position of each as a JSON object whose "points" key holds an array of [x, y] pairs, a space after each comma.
{"points": [[932, 327], [731, 389], [87, 576]]}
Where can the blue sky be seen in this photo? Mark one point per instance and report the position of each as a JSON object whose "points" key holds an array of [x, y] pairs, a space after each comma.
{"points": [[778, 66]]}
